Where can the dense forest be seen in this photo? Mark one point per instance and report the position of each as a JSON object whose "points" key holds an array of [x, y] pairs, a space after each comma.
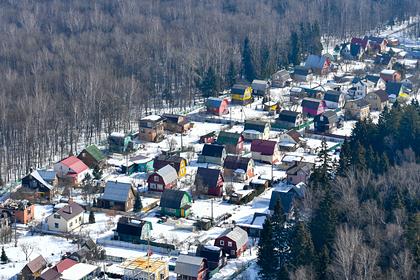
{"points": [[361, 218], [73, 71]]}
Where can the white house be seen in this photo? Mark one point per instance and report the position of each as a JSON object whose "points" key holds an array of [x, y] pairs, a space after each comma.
{"points": [[67, 218], [334, 99], [72, 168]]}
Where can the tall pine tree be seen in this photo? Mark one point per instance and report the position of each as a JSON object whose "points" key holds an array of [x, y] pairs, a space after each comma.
{"points": [[294, 49], [280, 235], [231, 74], [302, 248], [209, 84], [248, 68], [266, 252]]}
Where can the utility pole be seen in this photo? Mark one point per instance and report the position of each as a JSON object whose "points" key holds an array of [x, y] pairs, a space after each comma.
{"points": [[15, 231]]}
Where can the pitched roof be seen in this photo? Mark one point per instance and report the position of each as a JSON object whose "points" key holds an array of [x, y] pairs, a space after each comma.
{"points": [[95, 153], [288, 116], [70, 211], [393, 88], [301, 70], [236, 162], [36, 264], [117, 191], [265, 147], [162, 160], [311, 103], [168, 174], [188, 265], [228, 138], [305, 166], [330, 115], [50, 274], [209, 252], [294, 135], [207, 177], [64, 264], [283, 75], [239, 88], [259, 85], [130, 226], [373, 78], [332, 95], [238, 235], [315, 61], [172, 198], [48, 175], [213, 150], [255, 125], [286, 196], [383, 96], [214, 102], [361, 103], [37, 176], [75, 164]]}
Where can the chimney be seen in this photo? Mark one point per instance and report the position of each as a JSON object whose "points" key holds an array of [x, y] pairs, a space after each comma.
{"points": [[70, 210]]}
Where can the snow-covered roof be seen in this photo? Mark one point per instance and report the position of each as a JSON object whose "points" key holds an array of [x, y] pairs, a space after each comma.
{"points": [[388, 72], [78, 271]]}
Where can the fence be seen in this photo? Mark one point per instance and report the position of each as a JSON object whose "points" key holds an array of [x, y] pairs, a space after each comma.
{"points": [[161, 248]]}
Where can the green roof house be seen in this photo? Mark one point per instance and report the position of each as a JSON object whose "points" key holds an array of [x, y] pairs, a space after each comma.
{"points": [[175, 203], [92, 157], [233, 142]]}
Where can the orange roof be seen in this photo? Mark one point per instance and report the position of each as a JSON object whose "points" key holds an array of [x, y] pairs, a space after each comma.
{"points": [[75, 164], [65, 264]]}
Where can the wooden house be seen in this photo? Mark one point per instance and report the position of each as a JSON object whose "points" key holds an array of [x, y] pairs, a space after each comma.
{"points": [[288, 160], [377, 44], [92, 157], [390, 75], [377, 100], [175, 203], [376, 82], [33, 269], [326, 122], [71, 170], [162, 179], [120, 143], [271, 106], [50, 274], [334, 99], [233, 243], [290, 140], [215, 256], [238, 168], [176, 123], [255, 227], [132, 230], [233, 142], [255, 129], [289, 119], [241, 94], [260, 87], [177, 162], [81, 271], [35, 188], [212, 153], [208, 138], [151, 128], [395, 89], [360, 87], [320, 65], [117, 196], [138, 163], [299, 172], [209, 181], [20, 210], [286, 196], [67, 218], [302, 74], [191, 268], [357, 109], [265, 151], [143, 268], [217, 106], [313, 107], [280, 79]]}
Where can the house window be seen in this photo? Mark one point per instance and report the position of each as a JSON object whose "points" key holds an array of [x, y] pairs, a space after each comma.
{"points": [[229, 244], [80, 218], [222, 243], [71, 224], [56, 225], [156, 178], [56, 216]]}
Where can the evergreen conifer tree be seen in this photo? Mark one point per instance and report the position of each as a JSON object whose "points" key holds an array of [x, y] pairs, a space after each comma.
{"points": [[97, 173], [209, 84], [248, 69], [280, 235], [231, 75], [3, 258], [294, 50], [137, 203], [266, 252], [323, 223], [91, 217], [323, 262], [302, 248]]}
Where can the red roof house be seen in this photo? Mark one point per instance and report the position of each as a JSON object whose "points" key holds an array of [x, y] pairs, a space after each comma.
{"points": [[71, 168], [265, 150], [64, 264]]}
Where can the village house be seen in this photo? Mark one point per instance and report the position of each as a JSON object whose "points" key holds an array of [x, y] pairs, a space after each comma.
{"points": [[119, 143], [208, 138], [64, 264], [132, 230], [356, 50], [238, 168], [176, 123], [209, 181], [35, 188], [212, 153], [299, 172], [395, 89], [177, 162], [233, 243], [288, 160], [385, 60], [162, 179], [22, 211], [67, 218], [241, 94], [271, 106], [286, 195], [377, 44], [377, 100], [357, 109], [326, 122], [302, 74], [390, 75], [215, 256], [71, 170], [360, 87], [255, 129], [80, 271], [280, 79], [151, 128], [117, 196], [138, 163], [175, 203], [33, 269], [50, 274], [312, 106], [260, 87], [145, 268], [334, 99], [320, 65], [217, 106], [377, 82], [233, 142], [92, 157], [255, 227], [191, 268], [289, 119], [290, 140], [265, 151]]}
